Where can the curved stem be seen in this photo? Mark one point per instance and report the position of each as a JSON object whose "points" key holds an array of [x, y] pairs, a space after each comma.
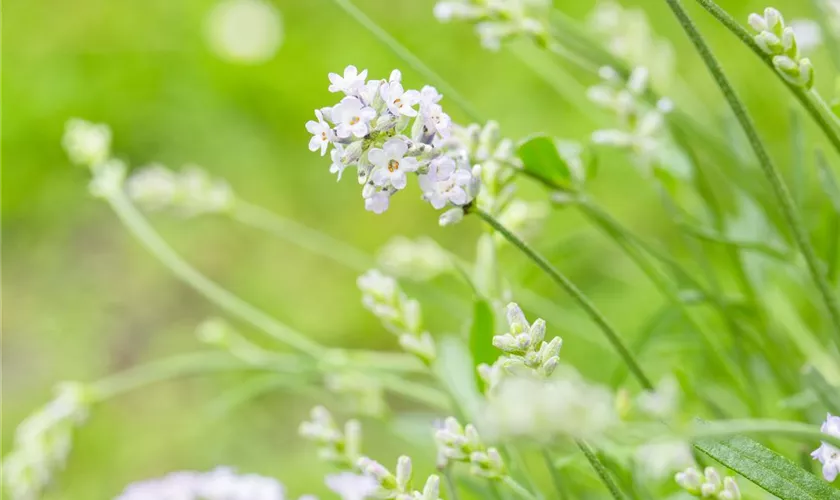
{"points": [[611, 333], [144, 232], [406, 55], [816, 110], [599, 468], [772, 173], [302, 236], [517, 488]]}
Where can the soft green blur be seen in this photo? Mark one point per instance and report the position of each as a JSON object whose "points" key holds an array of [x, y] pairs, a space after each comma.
{"points": [[83, 299]]}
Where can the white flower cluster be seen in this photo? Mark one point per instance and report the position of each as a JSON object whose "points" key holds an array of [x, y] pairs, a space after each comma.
{"points": [[708, 484], [398, 486], [189, 192], [43, 441], [828, 455], [526, 352], [222, 483], [463, 444], [659, 459], [542, 410], [663, 402], [382, 296], [498, 20], [87, 144], [342, 448], [421, 259], [350, 486], [388, 132], [779, 41], [642, 127], [628, 35]]}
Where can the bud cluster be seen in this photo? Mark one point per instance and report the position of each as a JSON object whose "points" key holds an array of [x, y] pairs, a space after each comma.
{"points": [[341, 447], [388, 132], [498, 20], [526, 351], [463, 444], [642, 127], [398, 486], [189, 192], [708, 484], [43, 441], [779, 41], [382, 296]]}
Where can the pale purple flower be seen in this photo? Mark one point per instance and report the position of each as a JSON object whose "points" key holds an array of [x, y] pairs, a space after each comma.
{"points": [[337, 166], [377, 202], [391, 163], [445, 183], [828, 455], [400, 101], [321, 131], [351, 117], [350, 83], [352, 486]]}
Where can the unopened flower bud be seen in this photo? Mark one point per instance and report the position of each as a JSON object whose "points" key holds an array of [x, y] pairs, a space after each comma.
{"points": [[451, 216]]}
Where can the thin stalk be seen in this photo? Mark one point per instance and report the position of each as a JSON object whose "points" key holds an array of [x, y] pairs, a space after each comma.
{"points": [[168, 369], [559, 485], [148, 237], [780, 190], [606, 327], [816, 108], [518, 489], [402, 52], [599, 468], [309, 239], [449, 481]]}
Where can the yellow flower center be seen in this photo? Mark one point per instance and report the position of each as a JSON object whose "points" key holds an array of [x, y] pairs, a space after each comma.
{"points": [[354, 120], [393, 165]]}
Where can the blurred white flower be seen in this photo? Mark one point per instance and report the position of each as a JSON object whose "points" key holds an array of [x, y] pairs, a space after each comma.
{"points": [[496, 21], [663, 402], [43, 441], [86, 143], [808, 34], [545, 409], [828, 455], [351, 486], [662, 458], [221, 483], [351, 83], [245, 31], [421, 259], [188, 193]]}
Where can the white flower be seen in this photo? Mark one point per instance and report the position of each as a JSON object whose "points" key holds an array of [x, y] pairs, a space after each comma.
{"points": [[391, 163], [154, 187], [400, 101], [86, 143], [245, 31], [808, 34], [337, 166], [828, 455], [352, 486], [378, 202], [445, 183], [351, 116], [659, 459], [322, 133], [351, 83], [662, 403], [221, 483]]}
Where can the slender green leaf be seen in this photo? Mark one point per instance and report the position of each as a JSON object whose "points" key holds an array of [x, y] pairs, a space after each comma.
{"points": [[831, 188], [542, 159], [455, 369], [769, 470], [827, 394], [828, 181], [481, 333]]}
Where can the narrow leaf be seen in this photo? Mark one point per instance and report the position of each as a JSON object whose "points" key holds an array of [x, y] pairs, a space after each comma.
{"points": [[828, 182], [455, 369], [827, 394], [767, 469], [542, 159], [481, 334]]}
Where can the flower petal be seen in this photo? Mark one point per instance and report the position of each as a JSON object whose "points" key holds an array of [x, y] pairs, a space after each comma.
{"points": [[377, 157]]}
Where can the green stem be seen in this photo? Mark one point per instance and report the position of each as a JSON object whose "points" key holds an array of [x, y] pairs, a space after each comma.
{"points": [[402, 52], [449, 481], [517, 488], [302, 236], [599, 468], [147, 236], [612, 335], [773, 175], [817, 110], [559, 484], [168, 369]]}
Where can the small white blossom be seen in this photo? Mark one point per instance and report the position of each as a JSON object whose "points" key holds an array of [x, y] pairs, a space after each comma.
{"points": [[322, 133], [339, 446], [378, 202], [221, 483], [352, 117], [445, 183], [496, 21], [351, 486], [451, 217], [828, 455], [400, 101], [337, 166], [351, 83], [87, 144], [391, 165], [463, 444]]}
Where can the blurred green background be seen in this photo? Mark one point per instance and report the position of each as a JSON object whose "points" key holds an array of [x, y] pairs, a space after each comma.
{"points": [[83, 299]]}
